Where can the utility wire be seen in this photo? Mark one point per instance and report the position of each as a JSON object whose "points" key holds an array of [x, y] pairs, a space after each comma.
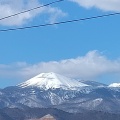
{"points": [[31, 9], [62, 22]]}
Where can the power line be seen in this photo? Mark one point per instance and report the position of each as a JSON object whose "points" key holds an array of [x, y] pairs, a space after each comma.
{"points": [[31, 9], [62, 22]]}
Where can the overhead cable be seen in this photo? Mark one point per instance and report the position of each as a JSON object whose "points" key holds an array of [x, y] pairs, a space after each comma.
{"points": [[57, 23], [38, 7]]}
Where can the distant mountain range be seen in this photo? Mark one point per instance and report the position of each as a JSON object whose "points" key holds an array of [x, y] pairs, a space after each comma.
{"points": [[60, 93], [53, 114]]}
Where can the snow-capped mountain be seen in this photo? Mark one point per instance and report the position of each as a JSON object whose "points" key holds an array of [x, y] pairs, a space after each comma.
{"points": [[56, 91], [52, 80], [114, 85]]}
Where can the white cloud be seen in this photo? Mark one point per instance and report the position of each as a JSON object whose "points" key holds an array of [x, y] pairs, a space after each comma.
{"points": [[55, 14], [90, 66], [9, 7], [107, 5]]}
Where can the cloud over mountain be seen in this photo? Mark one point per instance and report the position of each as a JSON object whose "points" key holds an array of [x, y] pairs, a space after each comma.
{"points": [[90, 66]]}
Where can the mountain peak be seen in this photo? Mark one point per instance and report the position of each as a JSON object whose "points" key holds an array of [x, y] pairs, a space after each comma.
{"points": [[52, 80], [47, 117], [114, 85]]}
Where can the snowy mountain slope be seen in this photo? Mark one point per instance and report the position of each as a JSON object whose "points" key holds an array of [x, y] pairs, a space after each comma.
{"points": [[101, 98], [52, 80], [93, 83], [114, 85]]}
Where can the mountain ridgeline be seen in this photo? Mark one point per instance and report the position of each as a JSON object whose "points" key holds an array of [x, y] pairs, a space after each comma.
{"points": [[48, 92]]}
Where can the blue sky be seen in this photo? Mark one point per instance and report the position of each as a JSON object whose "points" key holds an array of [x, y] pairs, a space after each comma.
{"points": [[86, 50]]}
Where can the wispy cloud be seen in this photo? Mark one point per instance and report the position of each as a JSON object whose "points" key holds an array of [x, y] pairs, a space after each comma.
{"points": [[9, 7], [106, 5], [90, 66]]}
